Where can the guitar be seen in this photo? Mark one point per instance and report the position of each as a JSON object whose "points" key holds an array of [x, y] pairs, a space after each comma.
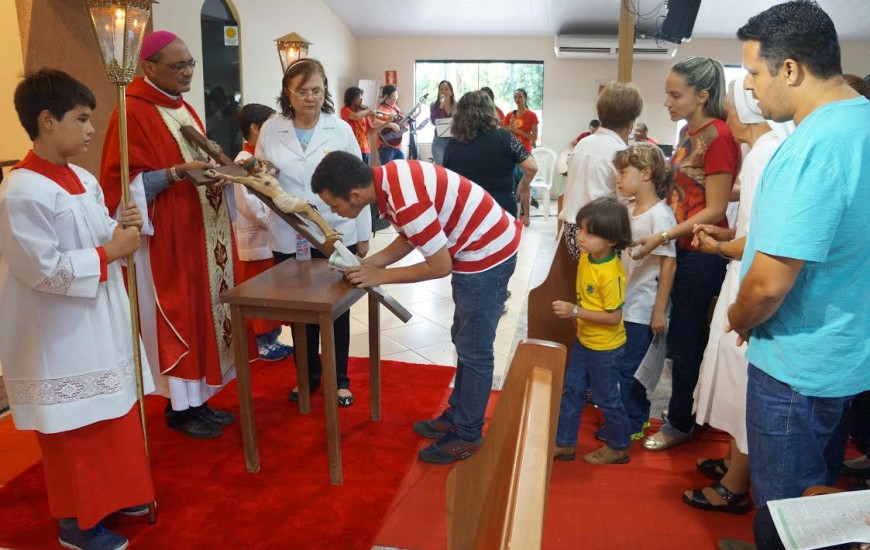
{"points": [[393, 138]]}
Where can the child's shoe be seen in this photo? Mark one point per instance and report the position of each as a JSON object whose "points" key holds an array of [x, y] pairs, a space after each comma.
{"points": [[637, 436], [606, 455], [564, 453], [95, 538], [272, 353]]}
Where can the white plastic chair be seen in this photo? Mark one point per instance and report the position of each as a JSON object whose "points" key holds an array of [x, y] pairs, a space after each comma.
{"points": [[543, 180]]}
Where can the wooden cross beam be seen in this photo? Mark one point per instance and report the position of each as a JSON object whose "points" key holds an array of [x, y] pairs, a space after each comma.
{"points": [[323, 239]]}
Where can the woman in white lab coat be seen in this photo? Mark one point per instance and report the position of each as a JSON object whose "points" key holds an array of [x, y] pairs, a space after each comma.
{"points": [[295, 143]]}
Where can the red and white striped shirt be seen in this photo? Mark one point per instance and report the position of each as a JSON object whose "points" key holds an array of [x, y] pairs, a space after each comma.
{"points": [[432, 207]]}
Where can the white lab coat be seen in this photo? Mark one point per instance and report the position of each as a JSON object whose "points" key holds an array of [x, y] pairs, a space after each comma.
{"points": [[279, 145], [66, 342]]}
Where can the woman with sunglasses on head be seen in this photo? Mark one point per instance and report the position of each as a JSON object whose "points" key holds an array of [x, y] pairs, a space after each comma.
{"points": [[295, 142]]}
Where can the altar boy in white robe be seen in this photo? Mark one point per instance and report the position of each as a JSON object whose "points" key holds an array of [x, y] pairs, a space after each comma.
{"points": [[65, 346]]}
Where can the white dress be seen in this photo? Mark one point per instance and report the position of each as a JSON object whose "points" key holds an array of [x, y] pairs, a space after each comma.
{"points": [[66, 343], [720, 396]]}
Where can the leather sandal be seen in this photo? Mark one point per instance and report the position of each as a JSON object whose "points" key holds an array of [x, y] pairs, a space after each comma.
{"points": [[713, 468], [734, 504]]}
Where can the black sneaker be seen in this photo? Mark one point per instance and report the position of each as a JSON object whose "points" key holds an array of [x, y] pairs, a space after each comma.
{"points": [[449, 449], [95, 538], [198, 428], [435, 428]]}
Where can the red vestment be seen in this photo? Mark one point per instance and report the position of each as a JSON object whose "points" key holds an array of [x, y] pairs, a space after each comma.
{"points": [[193, 330], [96, 470]]}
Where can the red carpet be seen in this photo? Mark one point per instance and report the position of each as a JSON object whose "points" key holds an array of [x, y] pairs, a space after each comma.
{"points": [[209, 501], [637, 505]]}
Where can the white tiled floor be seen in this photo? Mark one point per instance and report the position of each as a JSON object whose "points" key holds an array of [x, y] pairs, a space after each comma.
{"points": [[426, 337]]}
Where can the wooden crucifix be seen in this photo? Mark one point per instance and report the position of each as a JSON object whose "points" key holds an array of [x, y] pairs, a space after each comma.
{"points": [[260, 181]]}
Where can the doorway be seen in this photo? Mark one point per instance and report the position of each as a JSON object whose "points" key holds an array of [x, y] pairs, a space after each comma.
{"points": [[221, 74]]}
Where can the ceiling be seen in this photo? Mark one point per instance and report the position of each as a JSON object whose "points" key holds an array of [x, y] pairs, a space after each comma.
{"points": [[716, 18]]}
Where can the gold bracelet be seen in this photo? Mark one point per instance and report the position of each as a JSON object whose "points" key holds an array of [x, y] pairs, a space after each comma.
{"points": [[666, 239]]}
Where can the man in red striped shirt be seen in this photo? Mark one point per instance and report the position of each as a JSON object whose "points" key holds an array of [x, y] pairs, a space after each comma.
{"points": [[458, 228]]}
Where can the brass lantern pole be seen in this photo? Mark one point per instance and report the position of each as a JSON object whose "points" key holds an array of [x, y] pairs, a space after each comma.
{"points": [[119, 28], [290, 48]]}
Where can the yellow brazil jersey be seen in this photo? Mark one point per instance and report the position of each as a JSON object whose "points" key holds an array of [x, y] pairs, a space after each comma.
{"points": [[600, 287]]}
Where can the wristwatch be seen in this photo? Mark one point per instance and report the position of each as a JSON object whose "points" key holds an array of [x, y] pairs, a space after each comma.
{"points": [[666, 239], [576, 310]]}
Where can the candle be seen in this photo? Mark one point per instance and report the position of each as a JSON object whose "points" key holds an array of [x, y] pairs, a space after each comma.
{"points": [[118, 37]]}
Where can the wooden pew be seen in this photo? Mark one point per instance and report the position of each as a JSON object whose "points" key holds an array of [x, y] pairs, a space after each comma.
{"points": [[559, 285], [496, 499]]}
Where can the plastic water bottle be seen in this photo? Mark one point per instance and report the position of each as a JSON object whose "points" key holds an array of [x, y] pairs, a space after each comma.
{"points": [[303, 248]]}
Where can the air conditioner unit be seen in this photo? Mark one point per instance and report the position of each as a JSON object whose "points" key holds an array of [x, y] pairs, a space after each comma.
{"points": [[607, 47]]}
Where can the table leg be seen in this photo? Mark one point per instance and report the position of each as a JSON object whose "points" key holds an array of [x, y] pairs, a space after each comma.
{"points": [[330, 398], [375, 357], [300, 345], [246, 402]]}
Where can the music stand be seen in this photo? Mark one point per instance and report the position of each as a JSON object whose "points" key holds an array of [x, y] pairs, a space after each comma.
{"points": [[442, 127]]}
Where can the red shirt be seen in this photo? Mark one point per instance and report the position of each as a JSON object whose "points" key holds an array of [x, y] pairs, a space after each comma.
{"points": [[361, 128], [524, 123], [432, 207], [710, 149]]}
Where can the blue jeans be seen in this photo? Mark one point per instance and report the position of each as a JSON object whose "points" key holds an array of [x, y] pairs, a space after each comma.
{"points": [[479, 299], [387, 153], [367, 158], [638, 339], [598, 371], [795, 441], [439, 145], [698, 279]]}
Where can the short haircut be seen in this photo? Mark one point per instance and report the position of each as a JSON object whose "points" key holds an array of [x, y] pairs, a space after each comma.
{"points": [[51, 90], [645, 155], [619, 105], [595, 123], [351, 94], [475, 115], [307, 67], [387, 91], [339, 172], [798, 30], [705, 74], [488, 91], [858, 84], [642, 127], [253, 113], [607, 218]]}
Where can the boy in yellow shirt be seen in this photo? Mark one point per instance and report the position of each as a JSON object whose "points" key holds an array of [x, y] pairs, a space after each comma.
{"points": [[603, 231]]}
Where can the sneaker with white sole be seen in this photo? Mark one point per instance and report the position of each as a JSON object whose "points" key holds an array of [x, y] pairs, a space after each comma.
{"points": [[272, 352]]}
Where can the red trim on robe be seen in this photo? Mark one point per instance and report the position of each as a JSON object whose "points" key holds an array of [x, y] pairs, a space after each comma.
{"points": [[104, 264], [187, 346], [61, 174], [96, 470]]}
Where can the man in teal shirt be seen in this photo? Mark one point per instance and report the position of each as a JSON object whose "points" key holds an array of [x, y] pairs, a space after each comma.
{"points": [[804, 300]]}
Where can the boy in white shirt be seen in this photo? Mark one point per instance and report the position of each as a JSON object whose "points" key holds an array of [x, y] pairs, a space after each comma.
{"points": [[252, 233], [641, 170]]}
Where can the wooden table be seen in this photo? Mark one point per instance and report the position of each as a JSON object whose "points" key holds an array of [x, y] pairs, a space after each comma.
{"points": [[301, 292]]}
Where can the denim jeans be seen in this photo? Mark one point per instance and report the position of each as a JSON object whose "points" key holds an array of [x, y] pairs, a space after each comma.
{"points": [[597, 371], [367, 158], [341, 332], [387, 153], [698, 279], [638, 339], [479, 299], [795, 441], [439, 145]]}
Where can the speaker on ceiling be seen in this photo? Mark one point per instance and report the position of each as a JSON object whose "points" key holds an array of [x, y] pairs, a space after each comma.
{"points": [[679, 21]]}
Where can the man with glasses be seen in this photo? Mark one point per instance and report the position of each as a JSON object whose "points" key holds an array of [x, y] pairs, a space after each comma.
{"points": [[187, 255]]}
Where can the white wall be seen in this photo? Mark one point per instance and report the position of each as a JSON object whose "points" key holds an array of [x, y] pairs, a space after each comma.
{"points": [[260, 23], [570, 85], [15, 142]]}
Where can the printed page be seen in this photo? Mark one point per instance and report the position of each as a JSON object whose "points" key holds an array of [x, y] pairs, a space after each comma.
{"points": [[819, 521]]}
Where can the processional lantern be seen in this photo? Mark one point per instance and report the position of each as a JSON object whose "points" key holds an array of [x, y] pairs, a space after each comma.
{"points": [[119, 28], [291, 47]]}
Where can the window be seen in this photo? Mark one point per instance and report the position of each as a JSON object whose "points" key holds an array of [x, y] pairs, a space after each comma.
{"points": [[467, 76]]}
